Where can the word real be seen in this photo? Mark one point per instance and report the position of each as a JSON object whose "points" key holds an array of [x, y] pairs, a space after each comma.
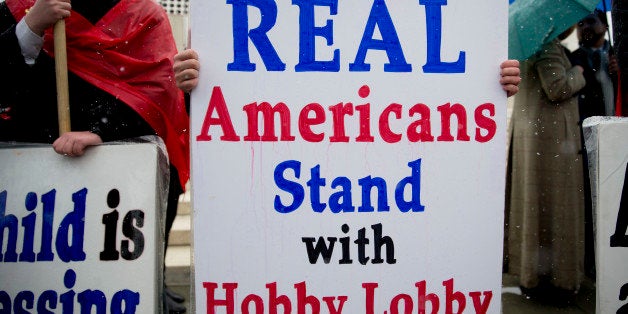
{"points": [[70, 233], [312, 117], [421, 301], [379, 18]]}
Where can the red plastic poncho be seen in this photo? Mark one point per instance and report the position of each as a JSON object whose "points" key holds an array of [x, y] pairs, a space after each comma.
{"points": [[129, 54]]}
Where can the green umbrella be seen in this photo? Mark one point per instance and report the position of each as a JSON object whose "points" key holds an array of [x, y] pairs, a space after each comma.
{"points": [[533, 23]]}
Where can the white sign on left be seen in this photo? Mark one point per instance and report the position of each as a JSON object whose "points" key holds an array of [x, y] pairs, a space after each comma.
{"points": [[78, 234]]}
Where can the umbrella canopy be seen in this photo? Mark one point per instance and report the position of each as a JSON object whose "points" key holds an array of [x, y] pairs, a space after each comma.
{"points": [[604, 5], [533, 23]]}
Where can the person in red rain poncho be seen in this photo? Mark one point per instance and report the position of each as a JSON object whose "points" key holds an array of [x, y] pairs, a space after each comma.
{"points": [[121, 83]]}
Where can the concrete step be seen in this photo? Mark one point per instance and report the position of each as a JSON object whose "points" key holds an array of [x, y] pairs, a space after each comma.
{"points": [[180, 233], [185, 207], [178, 256], [178, 266]]}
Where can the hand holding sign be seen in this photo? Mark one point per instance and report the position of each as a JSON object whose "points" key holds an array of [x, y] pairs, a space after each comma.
{"points": [[46, 13], [74, 143]]}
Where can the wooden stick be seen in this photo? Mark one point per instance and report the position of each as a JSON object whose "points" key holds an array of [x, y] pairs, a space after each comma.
{"points": [[61, 69]]}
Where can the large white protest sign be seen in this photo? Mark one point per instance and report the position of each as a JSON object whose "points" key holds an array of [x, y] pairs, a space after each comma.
{"points": [[348, 156], [81, 234], [607, 147]]}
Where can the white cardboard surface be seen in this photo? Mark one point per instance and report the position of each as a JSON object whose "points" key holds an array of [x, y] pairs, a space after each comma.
{"points": [[55, 183], [452, 249], [607, 146]]}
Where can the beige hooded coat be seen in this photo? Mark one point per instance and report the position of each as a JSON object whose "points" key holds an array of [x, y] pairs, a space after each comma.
{"points": [[545, 221]]}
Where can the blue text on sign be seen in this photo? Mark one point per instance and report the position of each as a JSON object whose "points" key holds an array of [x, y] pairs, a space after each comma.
{"points": [[379, 17]]}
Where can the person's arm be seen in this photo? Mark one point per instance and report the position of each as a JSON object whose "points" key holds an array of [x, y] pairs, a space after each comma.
{"points": [[111, 120], [510, 78], [558, 82], [30, 43], [74, 143], [30, 30]]}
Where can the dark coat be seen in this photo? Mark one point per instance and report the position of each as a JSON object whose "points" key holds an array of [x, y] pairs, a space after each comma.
{"points": [[591, 97]]}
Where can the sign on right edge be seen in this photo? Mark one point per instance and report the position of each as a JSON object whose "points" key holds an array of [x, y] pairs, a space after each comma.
{"points": [[607, 145]]}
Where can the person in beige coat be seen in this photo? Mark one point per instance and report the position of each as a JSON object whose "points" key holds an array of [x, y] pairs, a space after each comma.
{"points": [[545, 221]]}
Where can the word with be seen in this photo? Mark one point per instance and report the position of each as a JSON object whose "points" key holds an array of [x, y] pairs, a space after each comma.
{"points": [[341, 200], [407, 304], [273, 302], [70, 233], [326, 251], [379, 17], [123, 301], [313, 115]]}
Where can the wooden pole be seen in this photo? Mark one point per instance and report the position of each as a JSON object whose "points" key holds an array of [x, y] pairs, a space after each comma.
{"points": [[61, 69]]}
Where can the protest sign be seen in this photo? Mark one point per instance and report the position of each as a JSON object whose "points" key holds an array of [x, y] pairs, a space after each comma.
{"points": [[348, 156], [81, 234], [607, 149]]}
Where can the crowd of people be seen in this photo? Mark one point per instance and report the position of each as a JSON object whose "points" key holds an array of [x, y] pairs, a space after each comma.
{"points": [[547, 163]]}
